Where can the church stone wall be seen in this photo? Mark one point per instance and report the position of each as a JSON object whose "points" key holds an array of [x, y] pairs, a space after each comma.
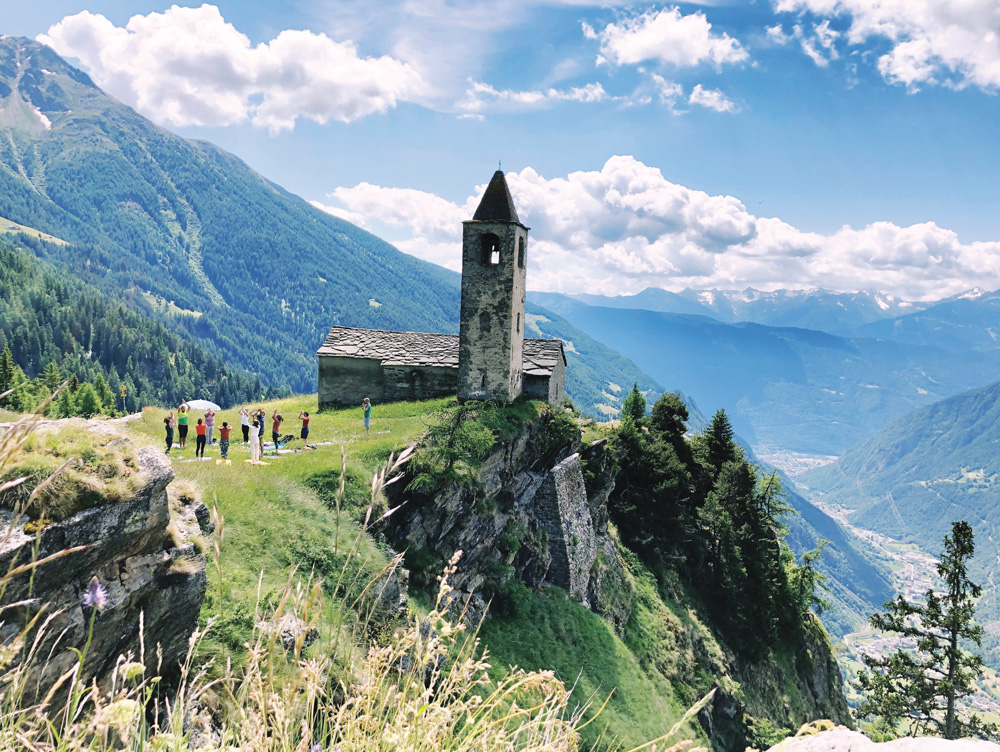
{"points": [[418, 382], [347, 381]]}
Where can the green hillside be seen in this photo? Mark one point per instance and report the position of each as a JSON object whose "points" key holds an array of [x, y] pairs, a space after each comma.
{"points": [[933, 466], [142, 209], [47, 318], [283, 513]]}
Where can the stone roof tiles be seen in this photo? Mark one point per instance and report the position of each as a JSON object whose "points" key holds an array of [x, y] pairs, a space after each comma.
{"points": [[423, 349], [392, 348], [497, 205], [539, 356]]}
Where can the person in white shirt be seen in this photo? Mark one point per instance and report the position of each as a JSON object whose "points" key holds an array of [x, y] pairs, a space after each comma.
{"points": [[254, 443]]}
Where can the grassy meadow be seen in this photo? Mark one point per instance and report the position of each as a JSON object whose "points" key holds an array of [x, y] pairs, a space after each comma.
{"points": [[275, 517]]}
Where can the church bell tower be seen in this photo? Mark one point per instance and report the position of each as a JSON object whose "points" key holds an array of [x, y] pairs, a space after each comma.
{"points": [[491, 331]]}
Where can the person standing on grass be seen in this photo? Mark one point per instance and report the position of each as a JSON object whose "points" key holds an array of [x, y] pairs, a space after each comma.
{"points": [[182, 425], [210, 425], [304, 417], [199, 444], [245, 424], [254, 443], [170, 423], [261, 416], [366, 407], [276, 428], [224, 440]]}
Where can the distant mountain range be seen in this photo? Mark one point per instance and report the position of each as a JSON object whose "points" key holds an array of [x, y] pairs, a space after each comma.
{"points": [[790, 389], [229, 260], [834, 312]]}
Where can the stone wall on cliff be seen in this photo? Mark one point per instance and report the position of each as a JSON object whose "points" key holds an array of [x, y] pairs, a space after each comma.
{"points": [[529, 517]]}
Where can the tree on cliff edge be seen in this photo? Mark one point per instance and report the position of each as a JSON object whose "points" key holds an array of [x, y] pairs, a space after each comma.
{"points": [[923, 686]]}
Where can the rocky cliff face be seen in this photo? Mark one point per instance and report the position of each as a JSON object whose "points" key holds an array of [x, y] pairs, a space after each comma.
{"points": [[538, 515], [145, 568], [530, 518]]}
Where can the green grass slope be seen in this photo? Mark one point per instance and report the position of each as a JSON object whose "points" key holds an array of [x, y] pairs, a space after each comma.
{"points": [[281, 514]]}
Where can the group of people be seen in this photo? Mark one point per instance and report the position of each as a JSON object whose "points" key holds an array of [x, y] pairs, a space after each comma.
{"points": [[251, 423]]}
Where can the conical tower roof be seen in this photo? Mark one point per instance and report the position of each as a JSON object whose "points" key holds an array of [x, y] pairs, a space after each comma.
{"points": [[497, 204]]}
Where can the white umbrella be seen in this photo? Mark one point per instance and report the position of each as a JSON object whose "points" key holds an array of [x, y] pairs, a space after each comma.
{"points": [[203, 405]]}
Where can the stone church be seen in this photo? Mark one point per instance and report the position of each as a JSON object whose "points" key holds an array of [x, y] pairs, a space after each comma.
{"points": [[490, 358]]}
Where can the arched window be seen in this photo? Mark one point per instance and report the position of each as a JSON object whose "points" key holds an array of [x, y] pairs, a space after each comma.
{"points": [[491, 249], [520, 252]]}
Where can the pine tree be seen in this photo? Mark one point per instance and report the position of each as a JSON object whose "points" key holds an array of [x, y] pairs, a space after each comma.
{"points": [[669, 416], [64, 405], [6, 370], [88, 404], [634, 405], [721, 447], [924, 686], [103, 392], [51, 376]]}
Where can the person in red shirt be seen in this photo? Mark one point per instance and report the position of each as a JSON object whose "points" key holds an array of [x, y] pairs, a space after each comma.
{"points": [[199, 447], [224, 440], [276, 429], [304, 417]]}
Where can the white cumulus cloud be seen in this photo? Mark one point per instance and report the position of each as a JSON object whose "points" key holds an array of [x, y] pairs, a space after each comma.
{"points": [[625, 227], [953, 43], [666, 36], [188, 66], [480, 97], [713, 99]]}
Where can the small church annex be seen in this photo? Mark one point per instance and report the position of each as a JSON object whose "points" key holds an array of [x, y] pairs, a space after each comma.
{"points": [[489, 358]]}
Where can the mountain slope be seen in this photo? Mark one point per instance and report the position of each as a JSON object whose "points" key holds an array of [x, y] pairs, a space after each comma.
{"points": [[46, 316], [925, 470], [789, 389], [970, 321], [147, 210]]}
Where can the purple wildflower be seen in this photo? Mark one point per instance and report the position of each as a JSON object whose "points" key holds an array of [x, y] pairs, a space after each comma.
{"points": [[317, 747], [95, 596]]}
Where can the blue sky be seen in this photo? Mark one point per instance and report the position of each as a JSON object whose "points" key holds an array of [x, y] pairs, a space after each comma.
{"points": [[774, 143]]}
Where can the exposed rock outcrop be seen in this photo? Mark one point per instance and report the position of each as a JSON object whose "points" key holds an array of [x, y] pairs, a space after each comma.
{"points": [[531, 517], [144, 567]]}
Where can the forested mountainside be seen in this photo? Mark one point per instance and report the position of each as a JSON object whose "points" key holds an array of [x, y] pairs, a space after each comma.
{"points": [[262, 273], [925, 470], [240, 266], [49, 319], [785, 388]]}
